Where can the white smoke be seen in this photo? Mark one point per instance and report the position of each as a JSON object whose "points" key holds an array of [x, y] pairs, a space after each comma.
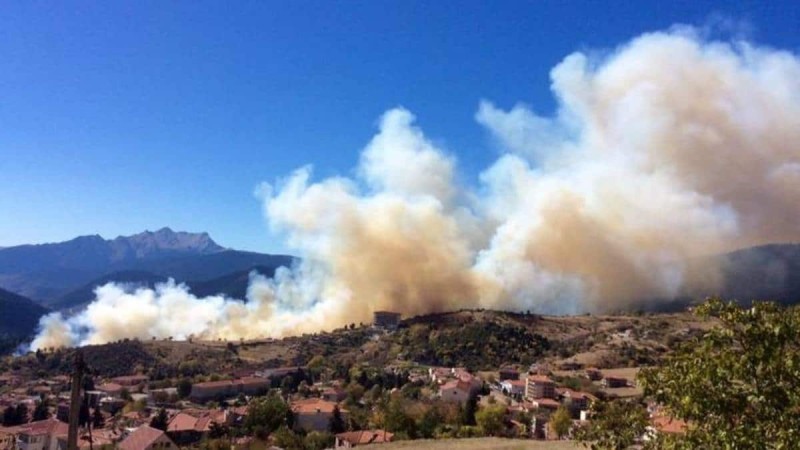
{"points": [[671, 148]]}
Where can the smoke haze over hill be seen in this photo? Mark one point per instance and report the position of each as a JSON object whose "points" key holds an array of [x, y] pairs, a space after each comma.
{"points": [[669, 149]]}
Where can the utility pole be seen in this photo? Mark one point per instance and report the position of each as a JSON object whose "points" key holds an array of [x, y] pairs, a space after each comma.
{"points": [[75, 400]]}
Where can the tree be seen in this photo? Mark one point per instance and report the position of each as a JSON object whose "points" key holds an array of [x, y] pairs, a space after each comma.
{"points": [[737, 386], [614, 425], [21, 412], [468, 411], [336, 424], [561, 422], [41, 412], [283, 437], [265, 415], [125, 394], [318, 441], [11, 418], [490, 419], [98, 421], [184, 388], [217, 430], [161, 420]]}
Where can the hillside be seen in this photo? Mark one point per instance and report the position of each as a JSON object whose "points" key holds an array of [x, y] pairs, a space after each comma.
{"points": [[19, 317], [476, 339], [60, 274]]}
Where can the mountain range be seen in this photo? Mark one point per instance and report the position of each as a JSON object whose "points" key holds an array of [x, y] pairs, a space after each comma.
{"points": [[51, 273], [36, 279]]}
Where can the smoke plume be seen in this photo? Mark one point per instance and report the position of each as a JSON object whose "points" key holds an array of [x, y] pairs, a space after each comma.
{"points": [[669, 149]]}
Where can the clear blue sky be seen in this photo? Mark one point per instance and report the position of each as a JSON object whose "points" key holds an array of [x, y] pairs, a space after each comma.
{"points": [[121, 116]]}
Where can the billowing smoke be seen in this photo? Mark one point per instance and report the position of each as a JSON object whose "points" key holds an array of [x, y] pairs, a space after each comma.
{"points": [[670, 149]]}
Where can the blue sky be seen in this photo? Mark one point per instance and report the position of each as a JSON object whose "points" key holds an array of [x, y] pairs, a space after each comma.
{"points": [[117, 117]]}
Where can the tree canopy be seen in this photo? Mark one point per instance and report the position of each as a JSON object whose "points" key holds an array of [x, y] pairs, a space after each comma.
{"points": [[738, 386]]}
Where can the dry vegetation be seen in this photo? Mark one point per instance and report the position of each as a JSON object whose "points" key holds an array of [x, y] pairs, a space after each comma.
{"points": [[477, 444]]}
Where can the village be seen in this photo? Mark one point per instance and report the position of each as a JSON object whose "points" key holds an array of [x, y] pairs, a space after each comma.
{"points": [[298, 407]]}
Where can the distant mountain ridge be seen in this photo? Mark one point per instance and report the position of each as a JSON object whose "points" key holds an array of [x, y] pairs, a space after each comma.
{"points": [[19, 317], [48, 272]]}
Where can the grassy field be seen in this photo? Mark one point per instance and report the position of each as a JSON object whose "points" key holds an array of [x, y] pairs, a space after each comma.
{"points": [[477, 444]]}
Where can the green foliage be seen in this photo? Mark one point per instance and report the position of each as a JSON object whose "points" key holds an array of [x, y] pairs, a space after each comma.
{"points": [[336, 424], [614, 425], [283, 437], [184, 388], [561, 421], [318, 441], [161, 420], [15, 415], [490, 419], [479, 345], [467, 412], [397, 420], [265, 415], [41, 412], [739, 385]]}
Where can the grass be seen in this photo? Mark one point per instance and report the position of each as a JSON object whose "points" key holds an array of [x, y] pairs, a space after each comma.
{"points": [[477, 444]]}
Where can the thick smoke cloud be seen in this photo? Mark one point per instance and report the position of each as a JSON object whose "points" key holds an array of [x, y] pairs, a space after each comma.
{"points": [[670, 149]]}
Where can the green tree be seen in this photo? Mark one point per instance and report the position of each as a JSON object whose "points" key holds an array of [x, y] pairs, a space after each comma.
{"points": [[561, 422], [490, 419], [336, 424], [737, 386], [318, 441], [12, 417], [283, 437], [468, 410], [21, 412], [265, 415], [614, 425], [41, 412], [184, 388], [161, 420], [429, 421]]}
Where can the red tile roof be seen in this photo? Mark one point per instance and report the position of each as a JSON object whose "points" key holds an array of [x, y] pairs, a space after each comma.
{"points": [[364, 437], [313, 405], [143, 437], [51, 426]]}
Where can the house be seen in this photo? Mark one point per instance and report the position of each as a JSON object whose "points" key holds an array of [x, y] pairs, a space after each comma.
{"points": [[508, 373], [386, 319], [577, 401], [439, 374], [8, 438], [546, 403], [539, 386], [185, 429], [41, 435], [456, 391], [146, 438], [314, 414], [614, 382], [593, 374], [333, 394], [363, 437], [513, 387], [229, 388], [110, 389]]}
